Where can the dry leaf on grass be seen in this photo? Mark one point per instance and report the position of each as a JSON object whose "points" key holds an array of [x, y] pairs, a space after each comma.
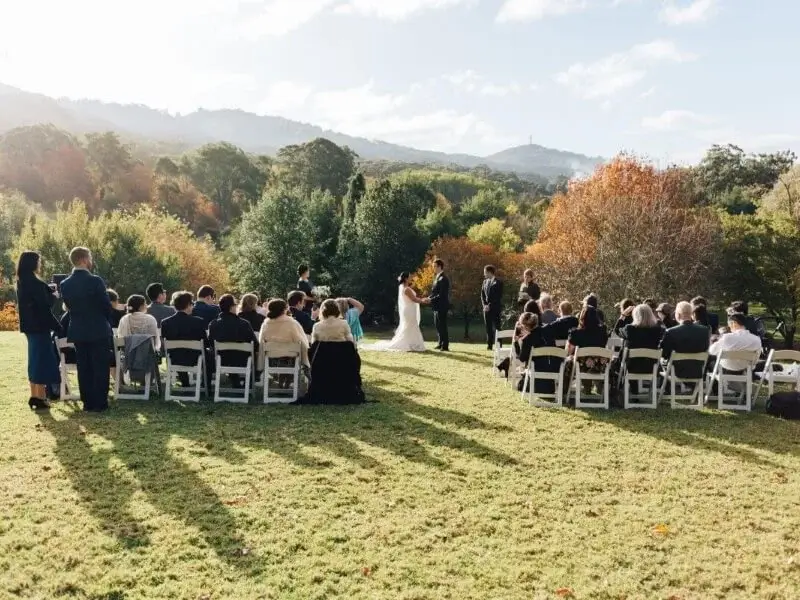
{"points": [[366, 571], [82, 430], [241, 551], [240, 501], [565, 592], [660, 529]]}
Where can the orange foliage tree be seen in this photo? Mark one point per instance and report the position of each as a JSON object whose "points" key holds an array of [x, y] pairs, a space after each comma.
{"points": [[464, 262], [629, 230]]}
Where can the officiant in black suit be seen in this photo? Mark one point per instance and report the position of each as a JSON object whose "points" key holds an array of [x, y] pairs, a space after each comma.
{"points": [[492, 301], [440, 303]]}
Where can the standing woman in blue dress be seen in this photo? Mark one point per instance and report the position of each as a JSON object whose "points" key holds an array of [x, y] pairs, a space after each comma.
{"points": [[35, 300]]}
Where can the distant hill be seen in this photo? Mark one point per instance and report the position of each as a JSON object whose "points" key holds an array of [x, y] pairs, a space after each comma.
{"points": [[256, 133]]}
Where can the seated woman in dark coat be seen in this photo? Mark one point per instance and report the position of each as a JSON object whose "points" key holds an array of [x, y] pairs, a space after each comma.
{"points": [[590, 333], [531, 336], [335, 374], [644, 333]]}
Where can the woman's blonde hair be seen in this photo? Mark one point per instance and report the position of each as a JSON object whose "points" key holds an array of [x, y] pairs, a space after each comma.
{"points": [[643, 316], [344, 306], [330, 308], [529, 321], [248, 303]]}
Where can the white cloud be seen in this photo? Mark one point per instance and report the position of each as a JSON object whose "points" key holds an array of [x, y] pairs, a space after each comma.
{"points": [[470, 81], [285, 96], [675, 120], [279, 17], [493, 89], [648, 93], [467, 80], [696, 11], [531, 10], [396, 10], [617, 72]]}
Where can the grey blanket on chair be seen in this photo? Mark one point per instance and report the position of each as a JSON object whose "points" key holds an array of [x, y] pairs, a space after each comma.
{"points": [[140, 357]]}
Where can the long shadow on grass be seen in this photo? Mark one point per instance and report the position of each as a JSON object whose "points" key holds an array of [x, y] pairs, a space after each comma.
{"points": [[737, 436], [146, 438], [167, 481]]}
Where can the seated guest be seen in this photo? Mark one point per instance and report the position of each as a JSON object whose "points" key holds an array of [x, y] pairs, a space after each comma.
{"points": [[229, 328], [701, 317], [117, 312], [297, 300], [548, 314], [713, 318], [331, 327], [248, 310], [664, 314], [282, 328], [590, 333], [182, 326], [625, 318], [532, 306], [685, 338], [138, 322], [527, 336], [651, 303], [592, 300], [335, 375], [204, 307], [155, 292], [351, 310], [741, 307], [644, 332], [560, 328], [739, 338]]}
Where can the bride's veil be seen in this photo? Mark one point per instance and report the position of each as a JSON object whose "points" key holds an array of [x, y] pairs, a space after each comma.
{"points": [[402, 304]]}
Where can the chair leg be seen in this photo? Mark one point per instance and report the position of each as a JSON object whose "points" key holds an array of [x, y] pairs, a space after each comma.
{"points": [[626, 390]]}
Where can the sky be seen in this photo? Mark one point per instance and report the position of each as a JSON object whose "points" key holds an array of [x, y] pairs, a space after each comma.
{"points": [[664, 79]]}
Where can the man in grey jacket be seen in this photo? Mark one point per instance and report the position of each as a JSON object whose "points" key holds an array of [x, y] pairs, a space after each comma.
{"points": [[158, 296]]}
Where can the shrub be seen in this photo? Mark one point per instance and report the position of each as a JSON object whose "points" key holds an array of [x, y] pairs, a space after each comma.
{"points": [[8, 317]]}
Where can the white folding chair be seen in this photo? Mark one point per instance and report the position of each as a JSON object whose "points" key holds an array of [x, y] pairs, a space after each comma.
{"points": [[286, 351], [195, 372], [722, 379], [132, 390], [579, 377], [556, 399], [677, 400], [640, 400], [789, 360], [615, 344], [502, 348], [561, 343], [66, 368], [233, 394]]}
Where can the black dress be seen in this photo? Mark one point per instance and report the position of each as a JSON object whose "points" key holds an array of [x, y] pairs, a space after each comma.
{"points": [[532, 290], [538, 338], [641, 338]]}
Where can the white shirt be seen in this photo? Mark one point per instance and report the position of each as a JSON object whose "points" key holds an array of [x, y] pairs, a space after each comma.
{"points": [[736, 340], [139, 323]]}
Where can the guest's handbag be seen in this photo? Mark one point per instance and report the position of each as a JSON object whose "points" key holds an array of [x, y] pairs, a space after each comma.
{"points": [[785, 405]]}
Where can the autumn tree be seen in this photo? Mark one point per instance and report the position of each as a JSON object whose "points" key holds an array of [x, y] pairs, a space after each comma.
{"points": [[318, 164], [495, 233], [629, 230]]}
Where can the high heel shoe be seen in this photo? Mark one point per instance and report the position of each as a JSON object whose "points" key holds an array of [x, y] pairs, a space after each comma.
{"points": [[38, 404]]}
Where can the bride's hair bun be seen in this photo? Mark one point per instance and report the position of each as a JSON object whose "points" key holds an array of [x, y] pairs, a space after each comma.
{"points": [[403, 277]]}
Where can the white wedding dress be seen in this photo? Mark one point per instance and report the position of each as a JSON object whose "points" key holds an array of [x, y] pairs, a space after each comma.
{"points": [[408, 336]]}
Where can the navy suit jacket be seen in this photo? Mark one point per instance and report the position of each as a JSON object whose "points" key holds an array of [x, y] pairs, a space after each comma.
{"points": [[207, 312], [85, 297]]}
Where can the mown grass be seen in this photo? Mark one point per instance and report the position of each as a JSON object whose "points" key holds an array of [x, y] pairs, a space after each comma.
{"points": [[449, 487]]}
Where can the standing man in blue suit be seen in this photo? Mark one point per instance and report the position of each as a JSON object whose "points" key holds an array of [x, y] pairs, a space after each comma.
{"points": [[89, 307]]}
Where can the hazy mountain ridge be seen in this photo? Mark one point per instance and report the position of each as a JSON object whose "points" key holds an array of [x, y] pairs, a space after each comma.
{"points": [[256, 133]]}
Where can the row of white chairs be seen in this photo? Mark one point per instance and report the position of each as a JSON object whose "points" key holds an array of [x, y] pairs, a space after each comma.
{"points": [[781, 366], [197, 373]]}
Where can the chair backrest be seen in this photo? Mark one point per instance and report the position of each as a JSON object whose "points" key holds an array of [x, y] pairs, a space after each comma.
{"points": [[505, 334], [594, 351], [282, 350], [644, 353], [561, 343], [183, 345], [683, 356], [549, 351], [788, 356], [233, 347], [749, 356], [614, 342]]}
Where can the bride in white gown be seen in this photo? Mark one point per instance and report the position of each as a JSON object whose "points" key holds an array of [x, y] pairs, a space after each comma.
{"points": [[408, 336]]}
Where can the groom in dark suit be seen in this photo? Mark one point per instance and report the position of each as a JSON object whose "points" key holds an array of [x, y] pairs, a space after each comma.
{"points": [[440, 303], [492, 301]]}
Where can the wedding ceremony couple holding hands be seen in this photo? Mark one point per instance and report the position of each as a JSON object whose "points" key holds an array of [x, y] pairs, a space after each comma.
{"points": [[408, 336]]}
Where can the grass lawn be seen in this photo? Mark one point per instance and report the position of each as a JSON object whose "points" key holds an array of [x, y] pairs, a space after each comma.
{"points": [[449, 487]]}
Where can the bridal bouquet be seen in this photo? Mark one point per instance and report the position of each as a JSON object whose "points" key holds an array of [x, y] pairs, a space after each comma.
{"points": [[321, 292]]}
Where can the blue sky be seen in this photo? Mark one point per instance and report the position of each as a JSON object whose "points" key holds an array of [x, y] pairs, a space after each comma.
{"points": [[662, 78]]}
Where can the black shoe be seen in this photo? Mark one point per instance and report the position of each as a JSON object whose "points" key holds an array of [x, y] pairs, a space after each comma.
{"points": [[437, 347], [489, 348], [444, 349], [38, 404]]}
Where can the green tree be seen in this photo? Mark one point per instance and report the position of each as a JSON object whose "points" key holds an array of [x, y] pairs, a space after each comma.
{"points": [[324, 224], [485, 205], [318, 164], [495, 234], [387, 241], [15, 210], [785, 196], [356, 188], [271, 240], [761, 263], [227, 176]]}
